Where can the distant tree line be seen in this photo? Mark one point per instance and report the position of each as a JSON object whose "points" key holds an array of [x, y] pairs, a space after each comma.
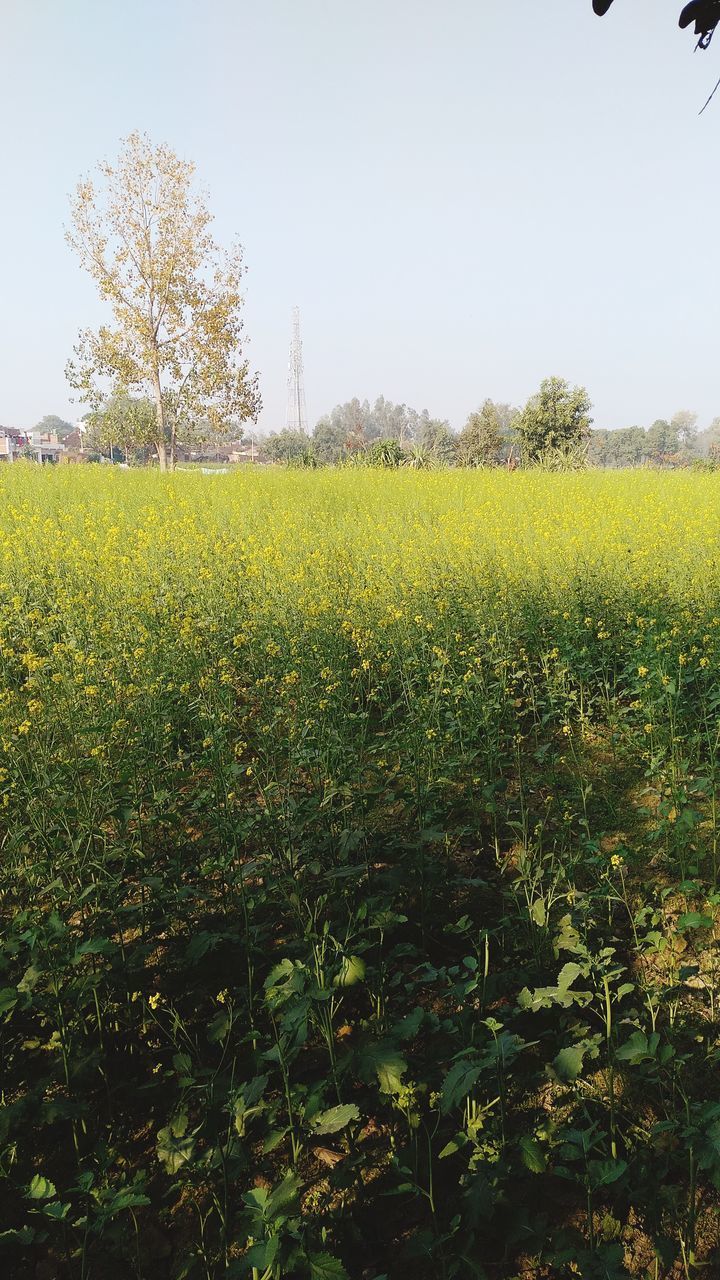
{"points": [[553, 430]]}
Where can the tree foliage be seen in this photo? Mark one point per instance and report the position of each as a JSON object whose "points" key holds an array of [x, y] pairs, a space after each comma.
{"points": [[480, 440], [51, 424], [289, 446], [357, 423], [555, 418], [174, 295], [124, 422]]}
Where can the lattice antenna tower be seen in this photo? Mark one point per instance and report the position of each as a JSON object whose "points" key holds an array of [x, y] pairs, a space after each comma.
{"points": [[296, 418]]}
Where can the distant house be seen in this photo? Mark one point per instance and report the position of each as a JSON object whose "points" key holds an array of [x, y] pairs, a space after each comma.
{"points": [[45, 446], [73, 441], [7, 446], [243, 452], [12, 442]]}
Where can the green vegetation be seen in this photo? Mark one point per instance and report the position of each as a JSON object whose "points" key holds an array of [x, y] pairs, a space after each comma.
{"points": [[360, 908]]}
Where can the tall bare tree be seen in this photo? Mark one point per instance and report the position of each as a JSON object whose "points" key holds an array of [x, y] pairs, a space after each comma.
{"points": [[175, 296]]}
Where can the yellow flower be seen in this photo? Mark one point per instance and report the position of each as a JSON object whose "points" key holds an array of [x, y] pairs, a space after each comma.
{"points": [[155, 1000], [617, 861], [642, 672]]}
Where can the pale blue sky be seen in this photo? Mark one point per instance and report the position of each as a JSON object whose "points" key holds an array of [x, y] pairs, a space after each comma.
{"points": [[462, 196]]}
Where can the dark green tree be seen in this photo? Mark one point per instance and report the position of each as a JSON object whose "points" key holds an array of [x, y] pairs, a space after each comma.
{"points": [[480, 440], [437, 438], [289, 446], [556, 418], [661, 440], [385, 453], [330, 441]]}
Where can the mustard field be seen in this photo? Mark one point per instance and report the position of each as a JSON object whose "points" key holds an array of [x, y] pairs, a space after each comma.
{"points": [[360, 897]]}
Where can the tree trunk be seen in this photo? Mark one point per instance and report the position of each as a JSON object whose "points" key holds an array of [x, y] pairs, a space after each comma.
{"points": [[160, 418]]}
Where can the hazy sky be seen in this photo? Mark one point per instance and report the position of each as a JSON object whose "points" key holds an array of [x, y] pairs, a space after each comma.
{"points": [[462, 196]]}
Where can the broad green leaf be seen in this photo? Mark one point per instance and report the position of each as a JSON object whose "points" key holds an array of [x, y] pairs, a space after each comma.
{"points": [[352, 971], [56, 1210], [125, 1198], [568, 974], [603, 1172], [282, 1195], [693, 920], [219, 1027], [533, 1156], [384, 1061], [273, 1140], [458, 1082], [568, 1062], [41, 1188], [18, 1235], [8, 999], [323, 1266], [173, 1148], [638, 1048], [262, 1256], [335, 1119], [94, 947], [29, 980]]}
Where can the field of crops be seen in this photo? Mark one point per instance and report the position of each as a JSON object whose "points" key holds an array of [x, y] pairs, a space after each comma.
{"points": [[360, 899]]}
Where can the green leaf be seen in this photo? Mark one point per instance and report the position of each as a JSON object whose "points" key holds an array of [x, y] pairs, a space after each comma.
{"points": [[384, 1061], [125, 1198], [41, 1188], [458, 1082], [352, 971], [533, 1156], [282, 1195], [335, 1119], [262, 1256], [693, 920], [273, 1140], [568, 1062], [638, 1048], [94, 947], [323, 1266], [409, 1026], [603, 1172], [8, 999], [182, 1063], [219, 1027], [568, 974], [539, 913], [29, 980], [18, 1235], [173, 1148], [451, 1148], [56, 1210]]}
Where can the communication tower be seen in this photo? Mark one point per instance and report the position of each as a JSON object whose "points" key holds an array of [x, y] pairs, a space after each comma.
{"points": [[296, 418]]}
